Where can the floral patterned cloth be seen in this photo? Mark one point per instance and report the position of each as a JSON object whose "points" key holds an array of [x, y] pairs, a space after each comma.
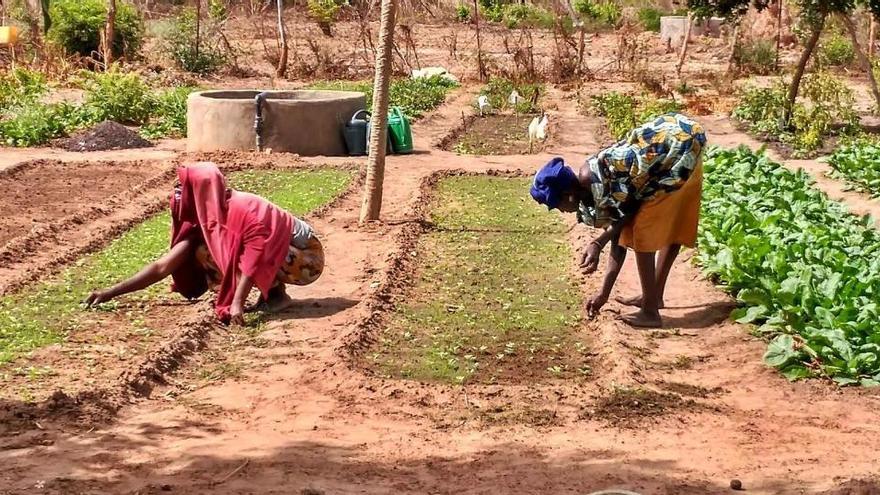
{"points": [[656, 158]]}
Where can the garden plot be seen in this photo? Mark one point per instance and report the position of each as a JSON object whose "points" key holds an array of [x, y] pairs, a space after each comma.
{"points": [[38, 193], [501, 134], [48, 342], [493, 298]]}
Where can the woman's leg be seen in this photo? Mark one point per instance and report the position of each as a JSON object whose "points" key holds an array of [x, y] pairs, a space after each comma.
{"points": [[649, 314], [664, 265]]}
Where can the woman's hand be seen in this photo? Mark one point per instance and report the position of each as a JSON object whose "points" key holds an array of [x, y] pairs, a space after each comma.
{"points": [[97, 297], [236, 314], [590, 258], [595, 304]]}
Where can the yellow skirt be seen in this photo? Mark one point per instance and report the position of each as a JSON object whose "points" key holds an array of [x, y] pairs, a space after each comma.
{"points": [[667, 219]]}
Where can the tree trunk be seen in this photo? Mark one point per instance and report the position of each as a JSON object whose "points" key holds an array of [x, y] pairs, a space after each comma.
{"points": [[733, 44], [866, 63], [47, 20], [198, 26], [872, 35], [684, 44], [281, 70], [372, 204], [481, 69], [799, 70], [109, 33]]}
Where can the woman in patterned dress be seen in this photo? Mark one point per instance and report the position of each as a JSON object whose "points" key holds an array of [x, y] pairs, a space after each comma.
{"points": [[645, 192]]}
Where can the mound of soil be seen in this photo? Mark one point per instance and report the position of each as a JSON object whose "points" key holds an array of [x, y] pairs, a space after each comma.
{"points": [[107, 135], [629, 408]]}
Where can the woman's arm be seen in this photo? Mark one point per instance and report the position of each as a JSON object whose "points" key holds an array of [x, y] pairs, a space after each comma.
{"points": [[618, 256], [149, 275], [590, 257], [236, 310]]}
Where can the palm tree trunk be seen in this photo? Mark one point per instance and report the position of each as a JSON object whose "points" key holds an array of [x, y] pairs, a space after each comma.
{"points": [[198, 26], [109, 33], [778, 33], [684, 44], [866, 64], [372, 204], [799, 70], [281, 70], [733, 44]]}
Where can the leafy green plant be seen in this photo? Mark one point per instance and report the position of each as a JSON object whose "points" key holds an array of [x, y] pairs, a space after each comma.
{"points": [[413, 96], [836, 50], [179, 44], [858, 162], [519, 15], [804, 270], [605, 13], [756, 56], [77, 24], [623, 112], [324, 12], [463, 13], [21, 85], [492, 10], [169, 118], [35, 123], [498, 90], [119, 96], [650, 18]]}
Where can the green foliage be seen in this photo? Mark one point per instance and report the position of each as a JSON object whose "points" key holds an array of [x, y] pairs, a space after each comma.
{"points": [[35, 123], [804, 270], [413, 96], [179, 44], [623, 112], [119, 96], [463, 13], [650, 18], [498, 91], [20, 86], [169, 118], [47, 312], [77, 24], [520, 15], [836, 50], [324, 10], [605, 12], [218, 11], [828, 101], [756, 56], [469, 320], [858, 162], [492, 10]]}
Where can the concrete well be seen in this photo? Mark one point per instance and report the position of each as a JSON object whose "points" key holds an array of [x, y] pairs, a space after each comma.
{"points": [[672, 28], [306, 122]]}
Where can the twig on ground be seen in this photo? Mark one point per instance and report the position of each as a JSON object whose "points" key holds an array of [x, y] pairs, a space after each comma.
{"points": [[233, 473]]}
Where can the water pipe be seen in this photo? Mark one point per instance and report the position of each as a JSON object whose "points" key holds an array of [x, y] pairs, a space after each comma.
{"points": [[258, 117]]}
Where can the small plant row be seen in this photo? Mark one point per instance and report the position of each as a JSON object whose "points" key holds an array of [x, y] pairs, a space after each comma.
{"points": [[828, 110], [858, 162], [413, 96], [499, 89], [604, 14], [805, 271], [122, 97], [624, 112]]}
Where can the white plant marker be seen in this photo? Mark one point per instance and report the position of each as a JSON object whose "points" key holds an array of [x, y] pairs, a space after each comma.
{"points": [[533, 131], [541, 132], [483, 103]]}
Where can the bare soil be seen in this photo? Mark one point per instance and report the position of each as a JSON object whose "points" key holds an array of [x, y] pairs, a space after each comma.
{"points": [[500, 134]]}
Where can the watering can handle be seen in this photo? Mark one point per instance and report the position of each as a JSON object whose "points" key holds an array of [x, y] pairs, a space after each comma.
{"points": [[353, 117]]}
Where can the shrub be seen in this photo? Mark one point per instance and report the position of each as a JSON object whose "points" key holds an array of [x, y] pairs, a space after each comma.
{"points": [[756, 56], [463, 13], [77, 24], [498, 91], [413, 96], [118, 96], [179, 43], [324, 12], [34, 124], [650, 18], [170, 114], [525, 15], [623, 112], [836, 50], [21, 85]]}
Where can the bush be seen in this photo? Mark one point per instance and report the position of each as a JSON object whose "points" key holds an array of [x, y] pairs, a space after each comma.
{"points": [[756, 56], [77, 24], [463, 13], [623, 112], [170, 114], [836, 50], [498, 91], [324, 12], [21, 86], [34, 124], [606, 12], [118, 96], [180, 44], [525, 15], [413, 96], [650, 18]]}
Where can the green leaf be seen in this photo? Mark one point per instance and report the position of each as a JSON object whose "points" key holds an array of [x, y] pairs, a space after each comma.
{"points": [[752, 314], [780, 351]]}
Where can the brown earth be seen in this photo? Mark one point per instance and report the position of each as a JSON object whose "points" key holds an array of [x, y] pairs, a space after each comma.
{"points": [[105, 136]]}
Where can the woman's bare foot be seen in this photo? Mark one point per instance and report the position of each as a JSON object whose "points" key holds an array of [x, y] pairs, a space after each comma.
{"points": [[634, 301], [278, 302], [643, 319]]}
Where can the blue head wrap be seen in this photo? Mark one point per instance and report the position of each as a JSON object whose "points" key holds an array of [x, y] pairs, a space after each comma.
{"points": [[551, 181]]}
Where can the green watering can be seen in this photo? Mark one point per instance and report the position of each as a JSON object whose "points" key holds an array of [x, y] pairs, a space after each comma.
{"points": [[400, 131]]}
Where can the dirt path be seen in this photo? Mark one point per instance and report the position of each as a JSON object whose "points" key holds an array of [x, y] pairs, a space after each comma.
{"points": [[300, 417], [164, 150]]}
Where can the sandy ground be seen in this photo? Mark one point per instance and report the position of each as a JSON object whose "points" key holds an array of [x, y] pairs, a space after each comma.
{"points": [[301, 416]]}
